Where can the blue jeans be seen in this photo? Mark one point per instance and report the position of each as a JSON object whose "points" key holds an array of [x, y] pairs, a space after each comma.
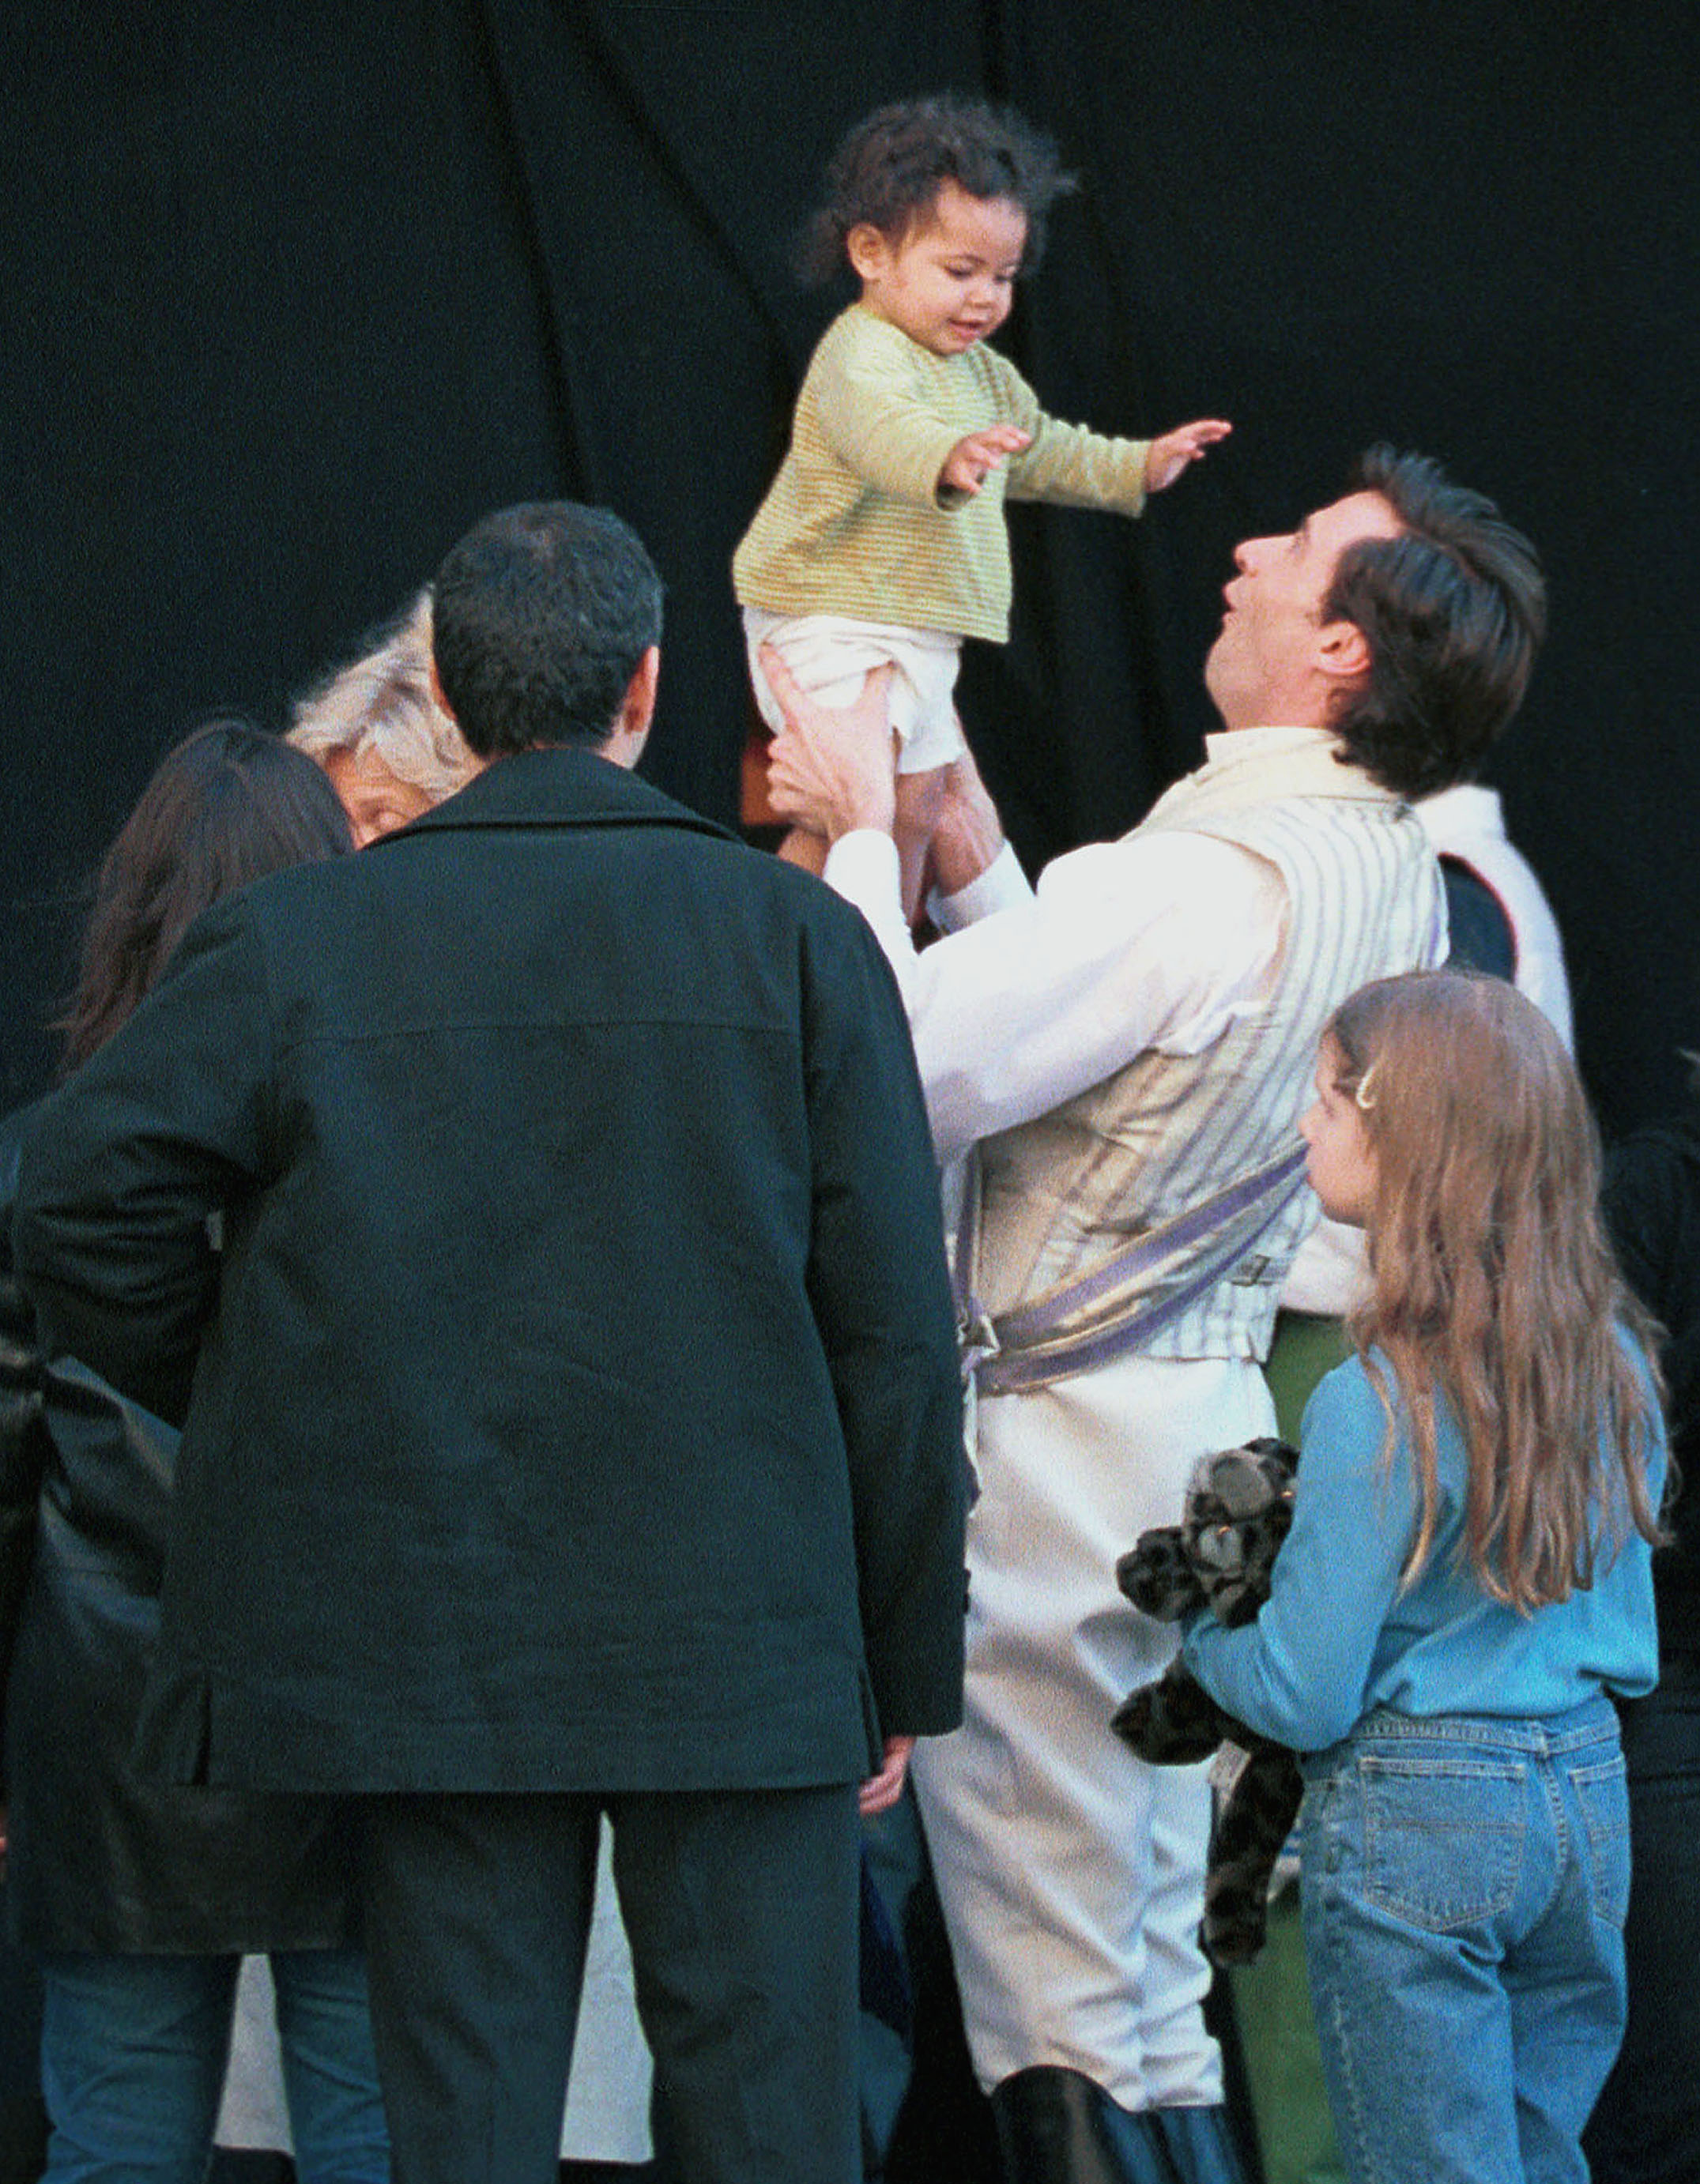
{"points": [[133, 2055], [1465, 1882]]}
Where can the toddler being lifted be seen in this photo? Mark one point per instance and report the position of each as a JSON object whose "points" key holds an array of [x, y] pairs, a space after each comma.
{"points": [[882, 539]]}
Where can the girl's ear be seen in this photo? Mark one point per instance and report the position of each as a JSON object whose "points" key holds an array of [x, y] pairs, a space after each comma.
{"points": [[867, 250]]}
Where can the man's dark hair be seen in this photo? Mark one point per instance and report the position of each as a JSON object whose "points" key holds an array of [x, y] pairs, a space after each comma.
{"points": [[539, 617], [1454, 611], [227, 806], [888, 171]]}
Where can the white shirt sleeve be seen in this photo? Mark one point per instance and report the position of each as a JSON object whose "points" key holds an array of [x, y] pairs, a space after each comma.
{"points": [[1158, 941], [1328, 1271], [1003, 885]]}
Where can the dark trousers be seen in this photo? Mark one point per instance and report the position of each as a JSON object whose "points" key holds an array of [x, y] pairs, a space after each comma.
{"points": [[1645, 2129], [741, 1910], [23, 2118]]}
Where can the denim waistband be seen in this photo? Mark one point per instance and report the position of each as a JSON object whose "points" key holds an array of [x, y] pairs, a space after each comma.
{"points": [[1595, 1721]]}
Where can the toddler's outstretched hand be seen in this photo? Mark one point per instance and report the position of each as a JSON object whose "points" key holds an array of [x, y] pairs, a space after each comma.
{"points": [[973, 459], [1167, 457]]}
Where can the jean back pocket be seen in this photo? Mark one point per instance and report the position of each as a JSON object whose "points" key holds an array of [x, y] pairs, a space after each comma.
{"points": [[1443, 1837]]}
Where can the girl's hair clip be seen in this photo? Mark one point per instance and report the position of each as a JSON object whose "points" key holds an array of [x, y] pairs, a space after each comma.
{"points": [[1362, 1097]]}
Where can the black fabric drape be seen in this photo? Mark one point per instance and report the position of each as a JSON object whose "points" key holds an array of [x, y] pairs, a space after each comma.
{"points": [[291, 297]]}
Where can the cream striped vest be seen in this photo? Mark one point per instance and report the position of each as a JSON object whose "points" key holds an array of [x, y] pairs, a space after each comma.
{"points": [[1364, 901]]}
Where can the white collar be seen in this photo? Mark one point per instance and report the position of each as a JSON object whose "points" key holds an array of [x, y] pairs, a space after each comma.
{"points": [[1229, 746]]}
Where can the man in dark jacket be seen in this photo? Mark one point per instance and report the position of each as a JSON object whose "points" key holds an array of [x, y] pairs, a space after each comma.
{"points": [[570, 1414]]}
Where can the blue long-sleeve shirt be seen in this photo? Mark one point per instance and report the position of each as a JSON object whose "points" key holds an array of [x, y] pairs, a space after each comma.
{"points": [[1337, 1637]]}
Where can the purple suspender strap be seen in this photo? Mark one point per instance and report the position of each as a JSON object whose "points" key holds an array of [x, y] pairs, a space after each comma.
{"points": [[1036, 1344]]}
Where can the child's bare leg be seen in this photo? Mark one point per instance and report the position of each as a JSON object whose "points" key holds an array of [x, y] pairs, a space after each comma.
{"points": [[920, 799], [808, 850]]}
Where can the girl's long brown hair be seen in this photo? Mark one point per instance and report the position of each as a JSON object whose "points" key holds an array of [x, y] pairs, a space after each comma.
{"points": [[1493, 1289]]}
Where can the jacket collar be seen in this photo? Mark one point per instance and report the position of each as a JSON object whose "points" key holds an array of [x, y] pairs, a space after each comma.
{"points": [[561, 787]]}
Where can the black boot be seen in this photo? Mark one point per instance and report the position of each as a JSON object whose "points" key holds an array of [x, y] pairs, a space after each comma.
{"points": [[1057, 2127], [1200, 2144]]}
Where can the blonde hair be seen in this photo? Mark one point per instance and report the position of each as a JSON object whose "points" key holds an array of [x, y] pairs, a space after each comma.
{"points": [[384, 702], [1493, 1289]]}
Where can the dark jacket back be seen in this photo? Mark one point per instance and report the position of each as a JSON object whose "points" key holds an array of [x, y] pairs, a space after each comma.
{"points": [[574, 1404]]}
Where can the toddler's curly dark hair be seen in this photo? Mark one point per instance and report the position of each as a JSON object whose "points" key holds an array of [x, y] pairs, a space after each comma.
{"points": [[888, 171]]}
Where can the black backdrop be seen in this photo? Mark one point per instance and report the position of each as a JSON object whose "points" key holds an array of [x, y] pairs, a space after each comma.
{"points": [[290, 295]]}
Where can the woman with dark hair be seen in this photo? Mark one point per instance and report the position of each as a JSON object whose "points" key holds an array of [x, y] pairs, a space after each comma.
{"points": [[1646, 2127], [141, 1899], [228, 805]]}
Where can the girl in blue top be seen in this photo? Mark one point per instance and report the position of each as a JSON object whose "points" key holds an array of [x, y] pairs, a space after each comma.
{"points": [[1467, 1577]]}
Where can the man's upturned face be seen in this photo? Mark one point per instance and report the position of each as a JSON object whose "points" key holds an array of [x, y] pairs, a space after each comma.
{"points": [[1267, 668]]}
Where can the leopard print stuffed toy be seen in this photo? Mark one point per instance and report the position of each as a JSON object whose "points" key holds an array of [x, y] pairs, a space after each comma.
{"points": [[1239, 1506]]}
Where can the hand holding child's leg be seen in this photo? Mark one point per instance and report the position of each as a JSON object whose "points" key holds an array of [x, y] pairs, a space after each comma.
{"points": [[830, 772]]}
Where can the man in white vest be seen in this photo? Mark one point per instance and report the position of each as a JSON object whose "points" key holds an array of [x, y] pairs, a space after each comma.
{"points": [[1129, 1046]]}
